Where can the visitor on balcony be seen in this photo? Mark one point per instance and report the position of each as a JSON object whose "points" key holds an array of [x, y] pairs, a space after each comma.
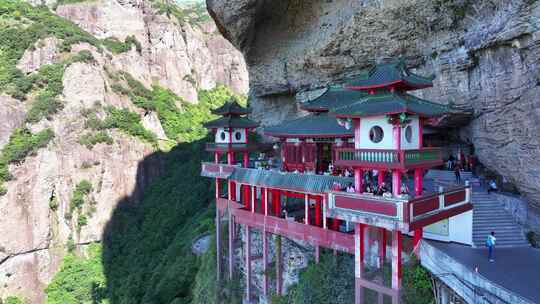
{"points": [[382, 189], [404, 189], [375, 176], [369, 189], [450, 162], [350, 188]]}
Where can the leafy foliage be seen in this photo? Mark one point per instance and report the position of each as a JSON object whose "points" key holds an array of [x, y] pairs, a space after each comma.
{"points": [[12, 300], [80, 280], [192, 13], [91, 139], [116, 46], [21, 26], [417, 285], [129, 123], [181, 124]]}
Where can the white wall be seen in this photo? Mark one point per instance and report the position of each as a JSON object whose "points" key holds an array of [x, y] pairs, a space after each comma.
{"points": [[388, 139], [367, 123], [459, 229], [415, 143], [241, 133]]}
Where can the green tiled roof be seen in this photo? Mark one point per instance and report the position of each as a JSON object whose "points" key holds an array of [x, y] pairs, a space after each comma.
{"points": [[231, 122], [291, 181], [231, 107], [313, 125], [334, 97], [391, 103], [391, 73]]}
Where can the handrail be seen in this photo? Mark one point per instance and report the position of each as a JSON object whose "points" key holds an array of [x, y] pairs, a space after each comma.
{"points": [[391, 157]]}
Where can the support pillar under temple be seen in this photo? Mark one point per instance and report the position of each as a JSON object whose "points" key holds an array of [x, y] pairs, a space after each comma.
{"points": [[265, 262], [248, 262], [231, 246], [358, 261]]}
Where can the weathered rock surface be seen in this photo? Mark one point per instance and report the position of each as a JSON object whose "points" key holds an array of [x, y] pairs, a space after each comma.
{"points": [[177, 55], [485, 54], [34, 219]]}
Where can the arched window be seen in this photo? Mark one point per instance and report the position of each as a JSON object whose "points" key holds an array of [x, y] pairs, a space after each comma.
{"points": [[408, 134]]}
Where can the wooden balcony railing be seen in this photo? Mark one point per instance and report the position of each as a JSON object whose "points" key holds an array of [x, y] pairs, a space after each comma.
{"points": [[389, 159], [406, 213]]}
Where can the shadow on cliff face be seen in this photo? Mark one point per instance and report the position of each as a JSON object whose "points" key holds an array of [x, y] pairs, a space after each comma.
{"points": [[147, 254]]}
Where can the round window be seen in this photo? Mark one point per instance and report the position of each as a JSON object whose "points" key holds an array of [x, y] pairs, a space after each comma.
{"points": [[222, 135], [237, 135], [376, 134], [408, 134]]}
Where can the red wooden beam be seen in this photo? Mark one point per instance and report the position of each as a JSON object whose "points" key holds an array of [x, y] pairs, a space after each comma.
{"points": [[440, 216]]}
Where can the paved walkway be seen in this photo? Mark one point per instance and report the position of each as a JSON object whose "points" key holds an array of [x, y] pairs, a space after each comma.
{"points": [[516, 269]]}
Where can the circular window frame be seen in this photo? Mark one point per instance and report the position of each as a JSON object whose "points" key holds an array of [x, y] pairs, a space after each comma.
{"points": [[376, 134], [222, 135], [238, 135], [408, 134]]}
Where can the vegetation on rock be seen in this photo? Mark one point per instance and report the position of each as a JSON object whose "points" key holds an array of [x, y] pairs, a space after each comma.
{"points": [[21, 143]]}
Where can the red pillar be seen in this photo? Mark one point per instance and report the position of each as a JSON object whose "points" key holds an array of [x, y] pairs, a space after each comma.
{"points": [[318, 211], [396, 260], [396, 182], [335, 224], [382, 246], [232, 193], [380, 177], [246, 159], [356, 126], [418, 181], [230, 158], [265, 262], [247, 197], [253, 199], [276, 201], [231, 246], [418, 233], [358, 261], [358, 179], [248, 262], [263, 201]]}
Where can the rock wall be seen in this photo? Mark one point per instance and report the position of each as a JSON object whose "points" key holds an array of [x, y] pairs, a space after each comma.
{"points": [[485, 54], [176, 55]]}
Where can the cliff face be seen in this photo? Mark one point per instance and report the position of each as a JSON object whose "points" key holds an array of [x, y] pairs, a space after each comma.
{"points": [[37, 217], [485, 55]]}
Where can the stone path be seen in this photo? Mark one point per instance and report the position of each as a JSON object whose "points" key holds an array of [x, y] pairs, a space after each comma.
{"points": [[517, 269]]}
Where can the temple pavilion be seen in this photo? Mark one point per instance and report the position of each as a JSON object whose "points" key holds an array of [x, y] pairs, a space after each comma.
{"points": [[335, 173]]}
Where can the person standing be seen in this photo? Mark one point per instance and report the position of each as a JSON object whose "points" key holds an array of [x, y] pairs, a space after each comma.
{"points": [[457, 172], [492, 187], [490, 243]]}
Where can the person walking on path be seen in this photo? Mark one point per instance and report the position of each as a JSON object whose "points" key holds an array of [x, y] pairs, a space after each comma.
{"points": [[457, 172], [490, 243]]}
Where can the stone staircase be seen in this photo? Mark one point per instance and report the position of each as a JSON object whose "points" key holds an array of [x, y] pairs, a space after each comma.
{"points": [[488, 214]]}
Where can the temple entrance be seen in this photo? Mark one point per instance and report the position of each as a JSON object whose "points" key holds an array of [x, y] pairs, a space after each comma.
{"points": [[324, 156]]}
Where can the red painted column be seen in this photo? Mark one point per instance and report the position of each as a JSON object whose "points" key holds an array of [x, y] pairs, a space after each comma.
{"points": [[265, 262], [335, 224], [380, 177], [231, 246], [318, 211], [362, 242], [418, 233], [246, 159], [396, 182], [276, 201], [232, 191], [356, 126], [396, 260], [248, 262], [418, 181], [247, 197], [216, 157], [230, 158], [397, 136], [358, 261], [306, 209], [218, 235], [253, 199], [358, 180], [263, 201], [382, 246]]}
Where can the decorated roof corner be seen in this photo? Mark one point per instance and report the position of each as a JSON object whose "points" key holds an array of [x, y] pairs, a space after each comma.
{"points": [[231, 107], [392, 74]]}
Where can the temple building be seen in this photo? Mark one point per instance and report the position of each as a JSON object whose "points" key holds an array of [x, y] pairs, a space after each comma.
{"points": [[337, 172]]}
